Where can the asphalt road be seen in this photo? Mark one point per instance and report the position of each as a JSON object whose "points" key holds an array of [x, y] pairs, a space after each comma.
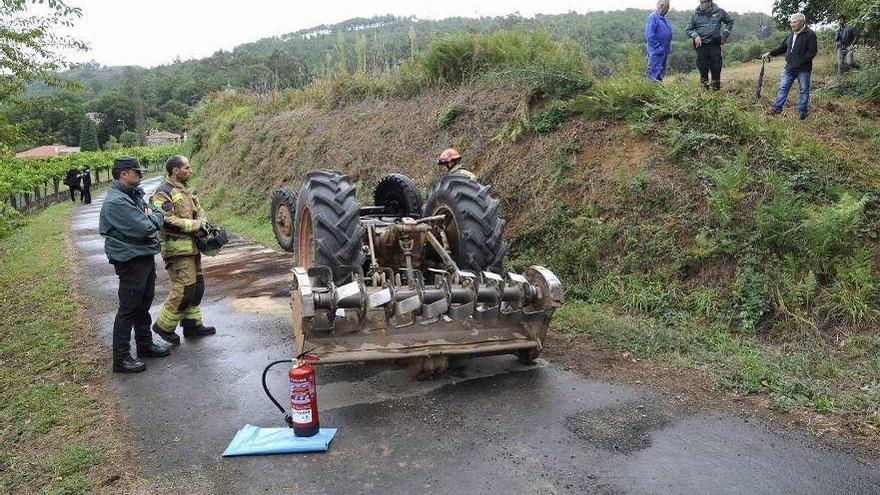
{"points": [[489, 425]]}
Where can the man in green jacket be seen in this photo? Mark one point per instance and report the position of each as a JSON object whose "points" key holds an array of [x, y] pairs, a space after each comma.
{"points": [[709, 28], [130, 228]]}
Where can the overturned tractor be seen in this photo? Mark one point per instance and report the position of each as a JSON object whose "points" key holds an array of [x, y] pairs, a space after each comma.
{"points": [[402, 280]]}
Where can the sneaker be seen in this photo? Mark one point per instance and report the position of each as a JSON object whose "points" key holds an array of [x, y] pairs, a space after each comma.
{"points": [[773, 111], [803, 116], [170, 337]]}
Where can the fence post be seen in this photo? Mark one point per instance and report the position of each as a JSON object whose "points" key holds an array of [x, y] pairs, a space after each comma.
{"points": [[55, 183]]}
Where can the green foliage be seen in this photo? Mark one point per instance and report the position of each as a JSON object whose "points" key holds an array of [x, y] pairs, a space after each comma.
{"points": [[853, 296], [551, 117], [23, 174], [88, 137], [128, 139], [30, 46], [448, 114]]}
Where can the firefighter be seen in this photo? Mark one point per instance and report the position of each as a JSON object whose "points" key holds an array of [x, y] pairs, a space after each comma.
{"points": [[449, 159], [184, 218]]}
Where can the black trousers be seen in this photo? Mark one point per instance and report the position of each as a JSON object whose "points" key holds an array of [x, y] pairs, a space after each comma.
{"points": [[137, 285], [709, 61], [75, 188], [86, 194]]}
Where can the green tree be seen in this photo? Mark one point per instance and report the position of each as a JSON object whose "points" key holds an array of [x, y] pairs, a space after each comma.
{"points": [[128, 139], [30, 47], [112, 143], [88, 136]]}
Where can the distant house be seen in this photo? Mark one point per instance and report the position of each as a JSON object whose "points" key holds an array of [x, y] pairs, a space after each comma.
{"points": [[47, 151], [158, 138]]}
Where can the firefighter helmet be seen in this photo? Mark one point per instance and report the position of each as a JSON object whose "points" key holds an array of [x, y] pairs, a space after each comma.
{"points": [[449, 157]]}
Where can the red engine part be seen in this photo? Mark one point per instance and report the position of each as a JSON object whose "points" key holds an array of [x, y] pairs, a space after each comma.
{"points": [[303, 398]]}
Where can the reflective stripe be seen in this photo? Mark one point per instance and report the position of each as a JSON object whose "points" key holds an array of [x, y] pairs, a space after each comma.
{"points": [[193, 313], [177, 246], [187, 225], [167, 319]]}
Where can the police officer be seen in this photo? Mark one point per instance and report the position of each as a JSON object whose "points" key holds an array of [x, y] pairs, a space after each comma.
{"points": [[184, 218], [130, 227], [86, 194]]}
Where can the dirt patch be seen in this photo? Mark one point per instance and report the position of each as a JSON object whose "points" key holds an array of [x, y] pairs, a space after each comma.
{"points": [[622, 429], [695, 391]]}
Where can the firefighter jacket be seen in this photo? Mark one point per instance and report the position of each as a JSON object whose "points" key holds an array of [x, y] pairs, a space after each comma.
{"points": [[183, 218], [128, 231]]}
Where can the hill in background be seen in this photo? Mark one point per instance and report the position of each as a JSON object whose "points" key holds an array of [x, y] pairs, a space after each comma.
{"points": [[136, 99]]}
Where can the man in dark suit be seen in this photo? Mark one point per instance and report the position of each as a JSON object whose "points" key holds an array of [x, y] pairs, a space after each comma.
{"points": [[799, 47], [86, 194]]}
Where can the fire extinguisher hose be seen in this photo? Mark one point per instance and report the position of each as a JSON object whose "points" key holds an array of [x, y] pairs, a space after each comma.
{"points": [[287, 418]]}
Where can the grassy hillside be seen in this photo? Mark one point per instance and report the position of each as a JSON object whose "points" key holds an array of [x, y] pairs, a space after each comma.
{"points": [[687, 226]]}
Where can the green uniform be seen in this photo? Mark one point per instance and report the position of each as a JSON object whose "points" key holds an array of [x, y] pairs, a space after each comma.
{"points": [[183, 218]]}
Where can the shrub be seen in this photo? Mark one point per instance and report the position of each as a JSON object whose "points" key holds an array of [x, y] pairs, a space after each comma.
{"points": [[448, 114]]}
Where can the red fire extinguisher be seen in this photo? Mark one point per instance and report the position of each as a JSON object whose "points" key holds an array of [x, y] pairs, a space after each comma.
{"points": [[303, 397], [303, 415]]}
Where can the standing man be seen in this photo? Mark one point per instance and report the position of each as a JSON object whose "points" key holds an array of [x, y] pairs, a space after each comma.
{"points": [[844, 39], [86, 193], [799, 47], [184, 218], [130, 228], [658, 36], [72, 180], [709, 28]]}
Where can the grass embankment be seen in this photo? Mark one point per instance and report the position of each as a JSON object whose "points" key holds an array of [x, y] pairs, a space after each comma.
{"points": [[759, 265], [55, 436], [687, 226]]}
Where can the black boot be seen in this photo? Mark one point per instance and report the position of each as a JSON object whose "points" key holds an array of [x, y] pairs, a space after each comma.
{"points": [[128, 364], [193, 330], [152, 350], [170, 337]]}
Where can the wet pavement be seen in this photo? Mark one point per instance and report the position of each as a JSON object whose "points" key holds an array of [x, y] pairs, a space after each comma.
{"points": [[490, 425]]}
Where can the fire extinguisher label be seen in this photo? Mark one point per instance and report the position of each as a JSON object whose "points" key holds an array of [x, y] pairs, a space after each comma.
{"points": [[301, 415], [301, 401]]}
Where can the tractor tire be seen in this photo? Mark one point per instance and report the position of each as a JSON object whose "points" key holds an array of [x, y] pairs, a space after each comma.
{"points": [[399, 195], [281, 213], [327, 226], [474, 230]]}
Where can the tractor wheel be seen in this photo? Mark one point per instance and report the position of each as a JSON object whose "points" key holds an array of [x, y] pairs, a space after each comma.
{"points": [[399, 195], [327, 226], [474, 231], [281, 213]]}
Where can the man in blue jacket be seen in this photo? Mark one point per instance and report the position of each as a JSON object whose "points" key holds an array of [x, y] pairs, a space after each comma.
{"points": [[799, 47], [130, 227], [709, 28], [658, 36]]}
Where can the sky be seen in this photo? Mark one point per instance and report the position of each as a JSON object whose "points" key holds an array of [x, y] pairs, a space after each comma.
{"points": [[154, 32]]}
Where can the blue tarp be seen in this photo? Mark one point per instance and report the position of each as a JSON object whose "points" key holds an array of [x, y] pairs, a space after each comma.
{"points": [[253, 440]]}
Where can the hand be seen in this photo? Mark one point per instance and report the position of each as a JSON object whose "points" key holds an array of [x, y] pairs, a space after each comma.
{"points": [[147, 210], [698, 42]]}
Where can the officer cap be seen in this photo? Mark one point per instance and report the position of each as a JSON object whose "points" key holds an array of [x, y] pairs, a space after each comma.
{"points": [[127, 163]]}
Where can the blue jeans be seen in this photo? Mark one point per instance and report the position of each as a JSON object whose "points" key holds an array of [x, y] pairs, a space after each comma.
{"points": [[788, 77]]}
